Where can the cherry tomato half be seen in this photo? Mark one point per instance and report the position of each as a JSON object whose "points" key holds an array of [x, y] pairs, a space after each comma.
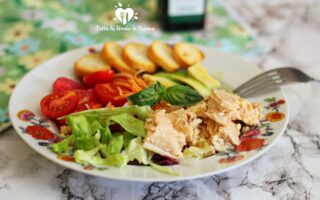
{"points": [[54, 105], [63, 84], [87, 100], [85, 95], [105, 92], [98, 77], [119, 102], [92, 104]]}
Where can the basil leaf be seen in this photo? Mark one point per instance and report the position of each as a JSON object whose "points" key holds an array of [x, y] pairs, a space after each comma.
{"points": [[181, 95], [149, 96]]}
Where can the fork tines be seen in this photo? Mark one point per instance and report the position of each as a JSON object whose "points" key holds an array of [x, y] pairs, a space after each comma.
{"points": [[271, 80]]}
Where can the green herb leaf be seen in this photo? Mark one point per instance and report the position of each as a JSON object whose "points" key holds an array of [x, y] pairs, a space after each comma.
{"points": [[181, 95], [149, 96]]}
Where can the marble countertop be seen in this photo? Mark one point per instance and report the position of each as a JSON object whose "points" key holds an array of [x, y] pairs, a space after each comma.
{"points": [[290, 30]]}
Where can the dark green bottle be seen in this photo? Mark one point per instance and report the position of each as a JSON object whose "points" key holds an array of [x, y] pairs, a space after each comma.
{"points": [[180, 15]]}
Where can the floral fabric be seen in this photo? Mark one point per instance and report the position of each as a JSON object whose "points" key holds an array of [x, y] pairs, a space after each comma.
{"points": [[32, 31]]}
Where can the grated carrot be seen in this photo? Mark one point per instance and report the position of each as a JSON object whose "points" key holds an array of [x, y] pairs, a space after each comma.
{"points": [[125, 75], [109, 105], [128, 84], [124, 95], [120, 91]]}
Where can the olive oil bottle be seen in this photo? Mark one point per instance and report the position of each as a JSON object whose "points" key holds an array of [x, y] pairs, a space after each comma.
{"points": [[180, 15]]}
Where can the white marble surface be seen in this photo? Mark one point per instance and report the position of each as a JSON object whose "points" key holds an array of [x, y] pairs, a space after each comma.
{"points": [[290, 30]]}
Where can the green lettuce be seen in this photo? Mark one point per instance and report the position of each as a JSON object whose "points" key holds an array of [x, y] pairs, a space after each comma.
{"points": [[197, 152], [142, 112], [127, 137], [94, 158], [117, 160], [95, 126], [106, 135], [86, 143], [135, 151], [91, 157], [129, 123], [63, 146], [80, 126], [114, 147], [95, 144], [163, 169]]}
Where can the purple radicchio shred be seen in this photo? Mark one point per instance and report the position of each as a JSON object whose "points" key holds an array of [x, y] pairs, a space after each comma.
{"points": [[163, 160]]}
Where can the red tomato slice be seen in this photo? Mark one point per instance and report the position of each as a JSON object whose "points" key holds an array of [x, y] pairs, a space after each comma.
{"points": [[105, 92], [119, 102], [60, 122], [85, 95], [54, 105], [88, 105], [94, 104], [87, 100], [98, 77], [63, 84]]}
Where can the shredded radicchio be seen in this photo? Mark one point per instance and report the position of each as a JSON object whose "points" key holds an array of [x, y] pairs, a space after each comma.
{"points": [[164, 160]]}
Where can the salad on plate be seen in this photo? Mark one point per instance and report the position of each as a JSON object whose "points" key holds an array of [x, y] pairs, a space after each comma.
{"points": [[145, 105]]}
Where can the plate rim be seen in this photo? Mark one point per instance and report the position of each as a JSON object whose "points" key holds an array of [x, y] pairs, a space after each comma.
{"points": [[144, 179]]}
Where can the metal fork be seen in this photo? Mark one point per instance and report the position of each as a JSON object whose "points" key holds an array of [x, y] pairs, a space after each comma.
{"points": [[272, 79]]}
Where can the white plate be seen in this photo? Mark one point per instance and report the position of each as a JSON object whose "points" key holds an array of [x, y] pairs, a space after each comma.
{"points": [[38, 82]]}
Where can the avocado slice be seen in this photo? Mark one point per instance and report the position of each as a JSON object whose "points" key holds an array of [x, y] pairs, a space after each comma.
{"points": [[200, 73], [183, 77], [152, 79]]}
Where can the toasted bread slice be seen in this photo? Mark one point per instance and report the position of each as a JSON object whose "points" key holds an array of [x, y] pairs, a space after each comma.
{"points": [[90, 63], [136, 55], [112, 54], [186, 54], [161, 54]]}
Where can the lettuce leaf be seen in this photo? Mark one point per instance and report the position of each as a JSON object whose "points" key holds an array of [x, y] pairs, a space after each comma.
{"points": [[79, 125], [86, 143], [197, 152], [163, 169], [135, 151], [95, 126], [106, 135], [117, 160], [90, 157], [142, 112], [93, 157], [127, 137], [63, 146], [129, 123], [114, 147]]}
